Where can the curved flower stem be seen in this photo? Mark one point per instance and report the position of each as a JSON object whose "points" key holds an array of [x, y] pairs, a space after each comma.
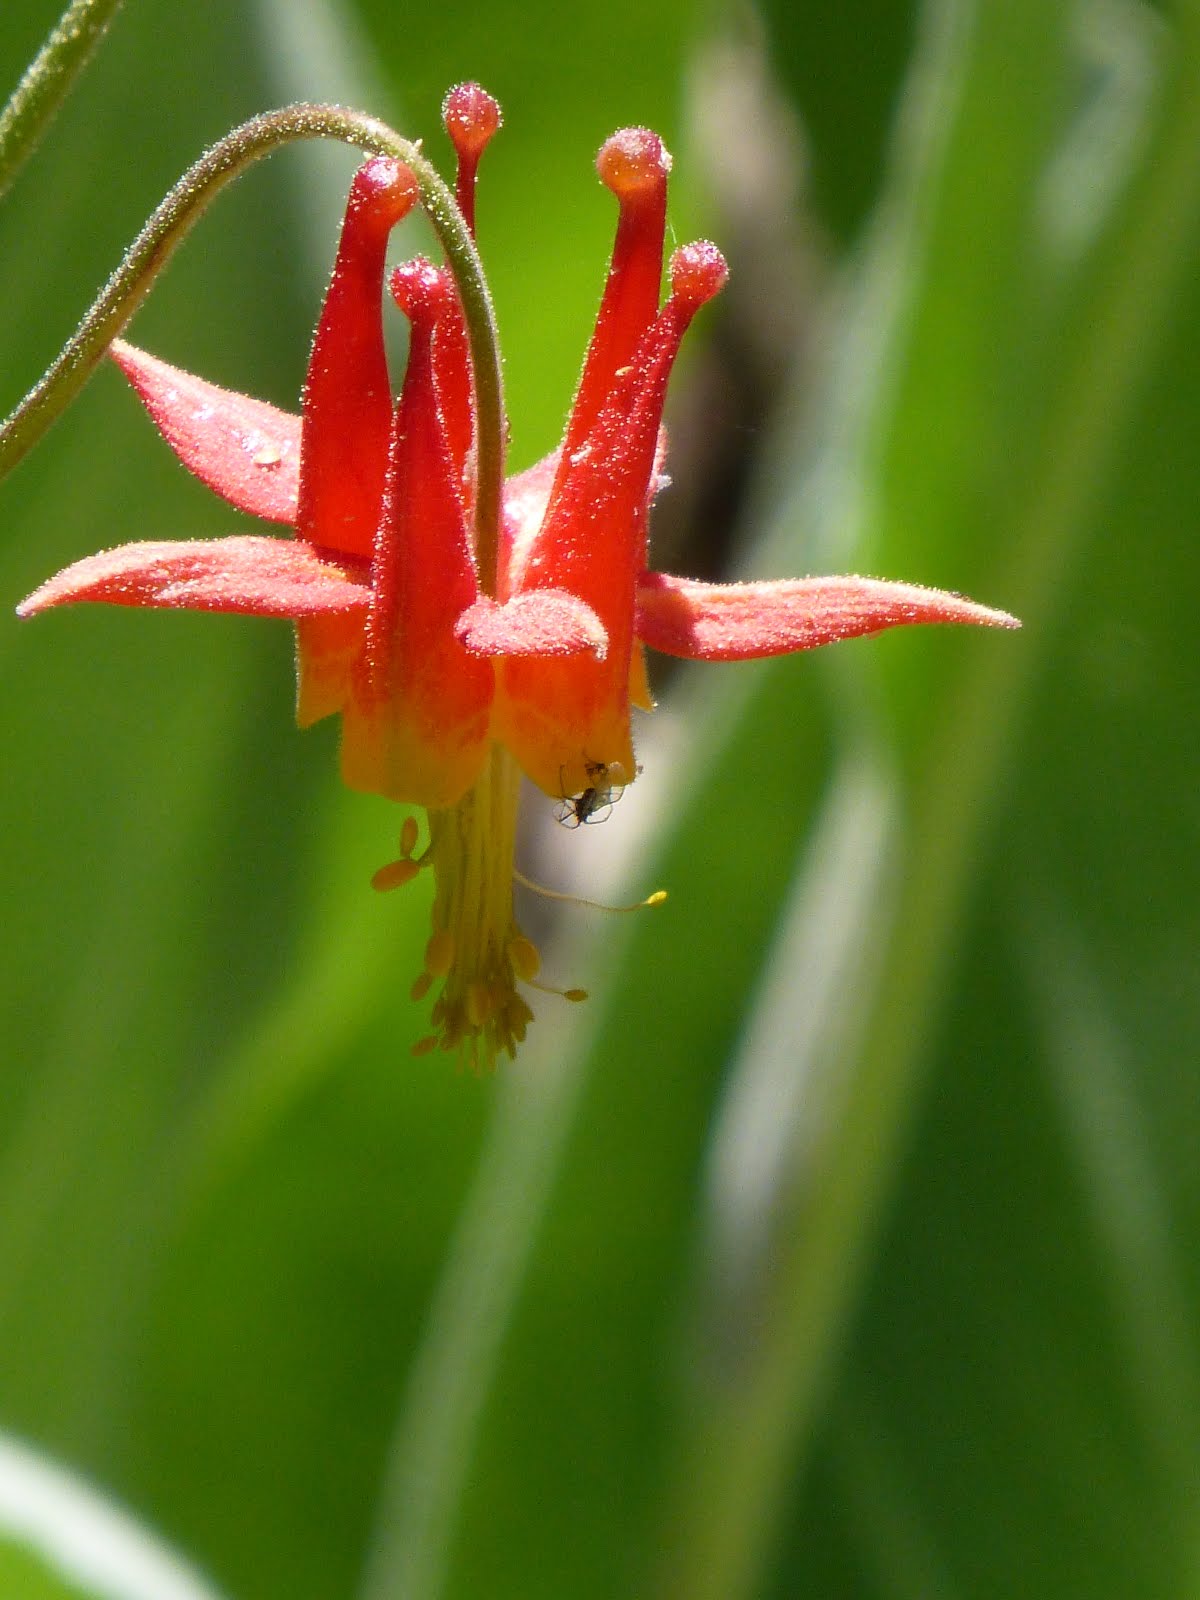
{"points": [[182, 207], [47, 82]]}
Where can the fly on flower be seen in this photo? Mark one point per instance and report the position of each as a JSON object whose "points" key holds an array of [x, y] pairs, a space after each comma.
{"points": [[457, 662], [605, 786]]}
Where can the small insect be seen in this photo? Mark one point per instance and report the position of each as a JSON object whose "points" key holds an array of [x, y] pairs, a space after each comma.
{"points": [[605, 786]]}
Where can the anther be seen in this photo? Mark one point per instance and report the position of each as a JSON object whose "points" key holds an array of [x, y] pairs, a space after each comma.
{"points": [[395, 875], [425, 1046], [439, 953], [421, 987], [408, 836], [524, 956], [698, 271]]}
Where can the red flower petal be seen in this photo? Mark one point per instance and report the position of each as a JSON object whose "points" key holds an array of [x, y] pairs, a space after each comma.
{"points": [[246, 450], [327, 649], [545, 622], [415, 725], [634, 164], [347, 398], [743, 621], [471, 118], [260, 577], [560, 718]]}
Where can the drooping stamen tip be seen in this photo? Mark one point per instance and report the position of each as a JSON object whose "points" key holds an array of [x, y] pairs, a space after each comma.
{"points": [[633, 162], [698, 272], [383, 191], [523, 954], [471, 117], [439, 954], [421, 290]]}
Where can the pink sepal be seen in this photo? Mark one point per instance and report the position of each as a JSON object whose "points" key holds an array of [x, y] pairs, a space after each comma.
{"points": [[544, 622], [742, 621], [526, 493], [245, 449], [249, 574], [526, 496]]}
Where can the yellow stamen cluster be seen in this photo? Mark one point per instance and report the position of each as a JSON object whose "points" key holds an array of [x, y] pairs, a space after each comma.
{"points": [[476, 951]]}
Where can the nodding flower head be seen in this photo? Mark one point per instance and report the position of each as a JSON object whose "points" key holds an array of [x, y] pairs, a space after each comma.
{"points": [[454, 674]]}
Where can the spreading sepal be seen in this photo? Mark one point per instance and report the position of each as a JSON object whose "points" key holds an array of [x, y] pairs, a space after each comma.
{"points": [[746, 621], [244, 449], [249, 575]]}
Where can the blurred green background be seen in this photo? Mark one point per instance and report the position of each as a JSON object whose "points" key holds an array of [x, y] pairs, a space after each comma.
{"points": [[847, 1243]]}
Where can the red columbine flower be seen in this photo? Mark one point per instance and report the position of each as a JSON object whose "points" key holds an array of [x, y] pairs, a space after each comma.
{"points": [[446, 692]]}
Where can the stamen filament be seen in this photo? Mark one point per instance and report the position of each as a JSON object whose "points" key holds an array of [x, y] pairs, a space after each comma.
{"points": [[651, 900], [575, 996]]}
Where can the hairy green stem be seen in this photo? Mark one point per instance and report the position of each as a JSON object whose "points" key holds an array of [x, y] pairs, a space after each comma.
{"points": [[47, 82], [182, 208]]}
